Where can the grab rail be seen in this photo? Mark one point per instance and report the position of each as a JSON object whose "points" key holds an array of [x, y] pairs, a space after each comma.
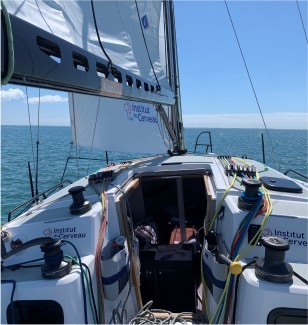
{"points": [[207, 145], [295, 172], [35, 198]]}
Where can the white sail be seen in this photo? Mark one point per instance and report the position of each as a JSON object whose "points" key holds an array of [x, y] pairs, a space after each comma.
{"points": [[132, 33], [116, 125], [118, 26]]}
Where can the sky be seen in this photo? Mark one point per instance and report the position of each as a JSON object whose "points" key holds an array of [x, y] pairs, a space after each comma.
{"points": [[215, 87]]}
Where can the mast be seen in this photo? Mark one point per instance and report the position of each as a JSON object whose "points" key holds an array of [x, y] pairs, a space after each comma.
{"points": [[173, 74]]}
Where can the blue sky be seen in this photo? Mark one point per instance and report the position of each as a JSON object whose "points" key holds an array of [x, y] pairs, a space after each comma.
{"points": [[215, 88]]}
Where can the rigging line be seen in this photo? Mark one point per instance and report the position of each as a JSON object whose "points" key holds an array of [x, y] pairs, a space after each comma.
{"points": [[37, 142], [300, 14], [75, 135], [99, 39], [158, 88], [99, 100], [38, 7], [252, 86], [160, 128], [30, 128], [38, 115]]}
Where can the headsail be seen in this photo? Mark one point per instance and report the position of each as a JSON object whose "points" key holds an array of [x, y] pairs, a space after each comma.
{"points": [[117, 125]]}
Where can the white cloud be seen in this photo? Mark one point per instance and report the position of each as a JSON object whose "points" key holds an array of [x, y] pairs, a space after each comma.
{"points": [[284, 120], [12, 93], [48, 99]]}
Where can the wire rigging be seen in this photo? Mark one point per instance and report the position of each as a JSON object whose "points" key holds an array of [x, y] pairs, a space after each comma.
{"points": [[110, 64], [99, 100], [251, 83], [31, 136], [40, 11], [37, 142], [158, 88], [75, 134], [300, 14]]}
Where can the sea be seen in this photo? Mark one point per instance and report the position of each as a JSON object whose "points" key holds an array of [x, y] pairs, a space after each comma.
{"points": [[48, 149]]}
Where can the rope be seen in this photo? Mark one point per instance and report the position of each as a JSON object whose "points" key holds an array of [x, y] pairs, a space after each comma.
{"points": [[98, 37], [150, 316], [37, 142], [99, 100], [162, 131], [221, 201], [38, 7], [31, 137], [10, 46], [101, 236], [300, 14], [158, 88], [75, 134], [252, 86]]}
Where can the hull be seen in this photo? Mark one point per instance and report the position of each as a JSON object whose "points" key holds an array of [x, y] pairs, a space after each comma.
{"points": [[154, 230]]}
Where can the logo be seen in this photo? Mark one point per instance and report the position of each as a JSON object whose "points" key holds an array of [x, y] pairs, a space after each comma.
{"points": [[129, 111], [145, 21], [47, 232], [267, 232], [140, 113], [69, 232]]}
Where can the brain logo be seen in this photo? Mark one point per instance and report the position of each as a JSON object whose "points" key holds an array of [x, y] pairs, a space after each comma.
{"points": [[128, 110], [47, 232], [267, 232]]}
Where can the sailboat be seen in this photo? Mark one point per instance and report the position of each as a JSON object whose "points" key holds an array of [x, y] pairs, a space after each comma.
{"points": [[171, 238]]}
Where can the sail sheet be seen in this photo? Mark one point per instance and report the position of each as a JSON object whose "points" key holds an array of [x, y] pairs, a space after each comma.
{"points": [[117, 125]]}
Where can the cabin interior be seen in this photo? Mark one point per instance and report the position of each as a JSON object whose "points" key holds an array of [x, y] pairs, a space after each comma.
{"points": [[168, 215]]}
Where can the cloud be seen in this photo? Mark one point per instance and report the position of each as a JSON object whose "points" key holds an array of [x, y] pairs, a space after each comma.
{"points": [[12, 93], [16, 93], [284, 120], [48, 99]]}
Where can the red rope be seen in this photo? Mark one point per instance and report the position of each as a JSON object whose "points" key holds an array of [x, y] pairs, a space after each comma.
{"points": [[100, 241]]}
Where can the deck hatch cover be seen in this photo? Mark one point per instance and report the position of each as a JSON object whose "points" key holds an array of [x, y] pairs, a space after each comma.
{"points": [[280, 184]]}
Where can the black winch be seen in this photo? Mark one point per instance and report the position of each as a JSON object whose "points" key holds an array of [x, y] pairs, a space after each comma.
{"points": [[251, 194], [55, 266], [79, 205], [273, 266]]}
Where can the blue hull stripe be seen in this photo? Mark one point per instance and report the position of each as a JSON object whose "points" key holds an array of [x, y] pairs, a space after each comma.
{"points": [[112, 279], [209, 274]]}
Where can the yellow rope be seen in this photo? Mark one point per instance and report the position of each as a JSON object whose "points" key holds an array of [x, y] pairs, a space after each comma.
{"points": [[221, 201], [247, 248]]}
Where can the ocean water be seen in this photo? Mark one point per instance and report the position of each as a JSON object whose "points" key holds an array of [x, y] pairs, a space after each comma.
{"points": [[286, 149]]}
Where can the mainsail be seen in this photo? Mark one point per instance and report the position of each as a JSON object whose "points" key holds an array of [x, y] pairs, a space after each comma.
{"points": [[129, 38]]}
